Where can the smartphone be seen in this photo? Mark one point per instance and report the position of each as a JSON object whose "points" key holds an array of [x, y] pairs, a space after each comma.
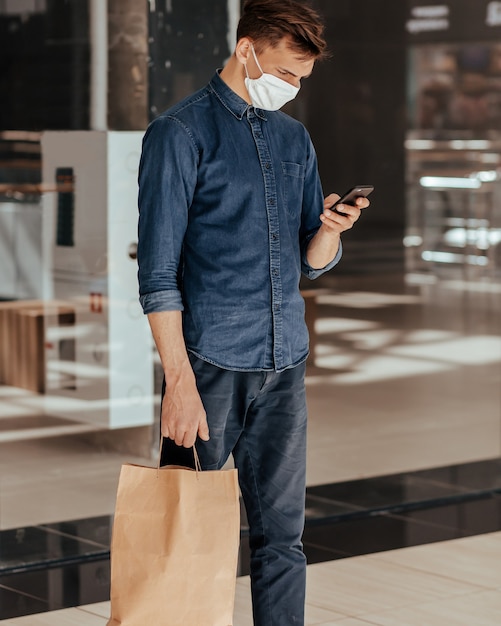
{"points": [[360, 191]]}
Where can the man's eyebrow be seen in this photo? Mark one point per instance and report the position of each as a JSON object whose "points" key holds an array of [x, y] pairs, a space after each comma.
{"points": [[284, 69]]}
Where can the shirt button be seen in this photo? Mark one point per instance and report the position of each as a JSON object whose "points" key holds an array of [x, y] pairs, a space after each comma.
{"points": [[272, 201], [267, 165], [274, 236], [275, 272]]}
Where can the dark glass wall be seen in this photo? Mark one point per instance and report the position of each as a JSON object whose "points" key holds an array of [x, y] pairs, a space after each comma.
{"points": [[354, 107], [188, 41], [44, 67]]}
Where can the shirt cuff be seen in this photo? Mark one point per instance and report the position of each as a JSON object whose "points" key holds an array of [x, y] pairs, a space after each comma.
{"points": [[313, 273], [159, 301]]}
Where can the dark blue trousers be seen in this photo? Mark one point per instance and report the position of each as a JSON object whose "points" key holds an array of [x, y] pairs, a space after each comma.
{"points": [[260, 418]]}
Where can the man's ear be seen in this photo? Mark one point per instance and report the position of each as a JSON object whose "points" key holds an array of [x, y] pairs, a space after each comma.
{"points": [[243, 50]]}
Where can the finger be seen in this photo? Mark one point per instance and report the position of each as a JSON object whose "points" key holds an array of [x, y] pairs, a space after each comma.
{"points": [[362, 203], [165, 430], [189, 440], [335, 223], [341, 210], [203, 430], [180, 438], [338, 222], [330, 200]]}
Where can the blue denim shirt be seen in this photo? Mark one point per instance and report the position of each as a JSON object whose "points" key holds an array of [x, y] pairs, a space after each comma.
{"points": [[229, 198]]}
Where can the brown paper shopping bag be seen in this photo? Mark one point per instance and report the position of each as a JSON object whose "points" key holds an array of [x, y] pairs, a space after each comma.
{"points": [[174, 547]]}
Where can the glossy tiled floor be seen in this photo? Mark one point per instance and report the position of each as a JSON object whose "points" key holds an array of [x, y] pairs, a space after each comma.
{"points": [[456, 583], [51, 566], [406, 378]]}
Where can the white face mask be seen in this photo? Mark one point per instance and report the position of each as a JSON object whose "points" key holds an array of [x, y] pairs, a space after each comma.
{"points": [[268, 92]]}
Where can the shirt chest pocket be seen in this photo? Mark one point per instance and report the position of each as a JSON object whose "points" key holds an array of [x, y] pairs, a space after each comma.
{"points": [[293, 184]]}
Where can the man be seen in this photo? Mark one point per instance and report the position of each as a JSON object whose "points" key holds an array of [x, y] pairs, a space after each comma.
{"points": [[231, 213]]}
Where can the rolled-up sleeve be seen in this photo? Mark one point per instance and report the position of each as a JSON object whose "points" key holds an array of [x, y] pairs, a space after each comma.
{"points": [[167, 180], [161, 301], [313, 273]]}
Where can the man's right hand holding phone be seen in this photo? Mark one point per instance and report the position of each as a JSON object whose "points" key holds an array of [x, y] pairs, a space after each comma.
{"points": [[340, 213], [348, 207]]}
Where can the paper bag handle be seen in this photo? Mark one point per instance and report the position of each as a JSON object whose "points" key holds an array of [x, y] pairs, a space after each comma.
{"points": [[198, 466]]}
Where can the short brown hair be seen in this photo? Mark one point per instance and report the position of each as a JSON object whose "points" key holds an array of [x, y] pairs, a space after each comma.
{"points": [[269, 21]]}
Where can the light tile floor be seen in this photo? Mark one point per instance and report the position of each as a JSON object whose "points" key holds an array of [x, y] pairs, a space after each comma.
{"points": [[454, 583]]}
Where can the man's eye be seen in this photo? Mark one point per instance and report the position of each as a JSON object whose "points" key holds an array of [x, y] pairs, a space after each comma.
{"points": [[282, 72]]}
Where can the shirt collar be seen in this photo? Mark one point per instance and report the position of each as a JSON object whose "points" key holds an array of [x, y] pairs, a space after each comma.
{"points": [[232, 101]]}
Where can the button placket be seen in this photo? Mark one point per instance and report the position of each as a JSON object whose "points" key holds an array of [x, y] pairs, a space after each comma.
{"points": [[270, 188]]}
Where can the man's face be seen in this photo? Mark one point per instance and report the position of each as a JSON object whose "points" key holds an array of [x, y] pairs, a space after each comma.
{"points": [[282, 62]]}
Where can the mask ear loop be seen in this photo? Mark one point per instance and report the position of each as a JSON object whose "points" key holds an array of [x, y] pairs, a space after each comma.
{"points": [[255, 58], [257, 63]]}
